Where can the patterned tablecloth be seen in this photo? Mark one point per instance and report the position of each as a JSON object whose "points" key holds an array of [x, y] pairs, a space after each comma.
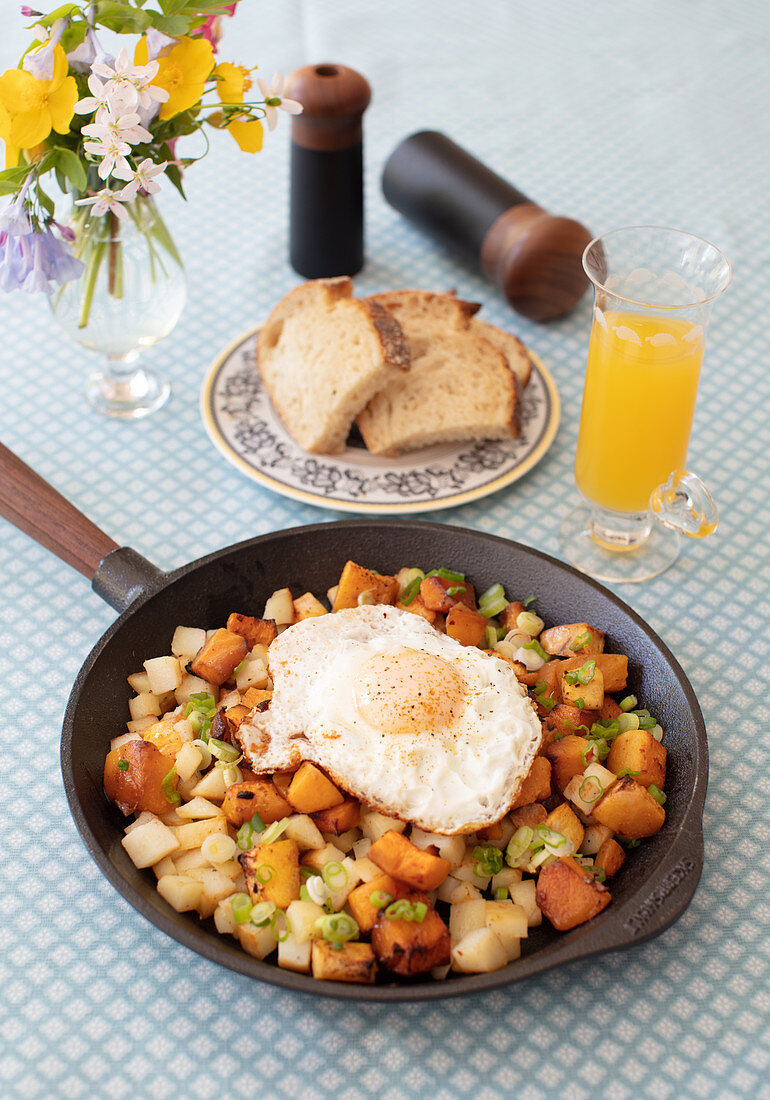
{"points": [[639, 113]]}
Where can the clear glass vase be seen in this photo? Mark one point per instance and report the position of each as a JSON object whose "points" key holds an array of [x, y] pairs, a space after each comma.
{"points": [[130, 295]]}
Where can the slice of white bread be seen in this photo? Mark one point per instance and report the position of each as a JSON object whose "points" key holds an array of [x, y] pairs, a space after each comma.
{"points": [[459, 386], [323, 354], [510, 345]]}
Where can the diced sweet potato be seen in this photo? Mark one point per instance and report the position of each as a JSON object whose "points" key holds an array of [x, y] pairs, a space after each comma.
{"points": [[613, 667], [259, 796], [610, 857], [635, 751], [355, 962], [510, 614], [163, 736], [417, 607], [567, 758], [338, 819], [565, 821], [550, 676], [537, 784], [137, 787], [272, 872], [219, 657], [235, 715], [398, 857], [628, 808], [465, 625], [572, 638], [359, 900], [569, 895], [308, 607], [355, 581], [491, 834], [529, 815], [436, 597], [254, 631], [310, 790], [411, 947], [609, 709], [282, 782], [253, 696]]}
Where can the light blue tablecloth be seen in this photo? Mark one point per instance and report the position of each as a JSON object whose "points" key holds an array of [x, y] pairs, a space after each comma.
{"points": [[644, 112]]}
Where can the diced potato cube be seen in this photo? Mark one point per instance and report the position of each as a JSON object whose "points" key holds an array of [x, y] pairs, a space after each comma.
{"points": [[308, 607], [295, 956], [181, 893], [536, 786], [302, 916], [216, 887], [188, 760], [343, 841], [366, 870], [354, 963], [524, 894], [310, 790], [505, 877], [356, 581], [450, 848], [568, 757], [610, 857], [116, 742], [224, 919], [591, 694], [219, 657], [594, 837], [374, 824], [272, 872], [193, 835], [340, 818], [251, 673], [280, 608], [259, 942], [398, 857], [184, 729], [165, 866], [454, 891], [479, 952], [190, 859], [141, 819], [465, 917], [465, 625], [256, 632], [211, 785], [509, 924], [572, 639], [628, 808], [569, 895], [338, 894], [194, 685], [187, 640], [163, 736], [138, 725], [198, 809], [466, 872], [164, 674], [317, 858], [563, 820], [305, 832], [139, 682], [144, 705], [638, 751]]}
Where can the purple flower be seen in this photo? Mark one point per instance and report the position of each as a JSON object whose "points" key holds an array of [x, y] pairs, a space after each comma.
{"points": [[32, 260]]}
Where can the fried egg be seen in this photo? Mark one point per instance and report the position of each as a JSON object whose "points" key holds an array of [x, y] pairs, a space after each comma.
{"points": [[401, 717]]}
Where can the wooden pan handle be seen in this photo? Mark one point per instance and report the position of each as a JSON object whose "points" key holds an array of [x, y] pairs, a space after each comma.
{"points": [[32, 505]]}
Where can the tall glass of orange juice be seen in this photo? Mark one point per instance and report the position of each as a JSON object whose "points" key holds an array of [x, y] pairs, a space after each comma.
{"points": [[653, 291]]}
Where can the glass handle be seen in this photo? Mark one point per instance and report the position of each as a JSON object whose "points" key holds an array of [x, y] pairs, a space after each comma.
{"points": [[684, 504]]}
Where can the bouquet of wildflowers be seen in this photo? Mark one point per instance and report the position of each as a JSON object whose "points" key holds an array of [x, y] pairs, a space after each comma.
{"points": [[106, 127]]}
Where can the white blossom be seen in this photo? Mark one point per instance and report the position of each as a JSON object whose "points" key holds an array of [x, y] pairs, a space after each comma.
{"points": [[274, 101], [105, 200]]}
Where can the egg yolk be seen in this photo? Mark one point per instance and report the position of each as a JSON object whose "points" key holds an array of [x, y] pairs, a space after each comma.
{"points": [[406, 691]]}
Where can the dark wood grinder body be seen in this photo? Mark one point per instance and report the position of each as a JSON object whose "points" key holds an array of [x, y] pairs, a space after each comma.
{"points": [[326, 235], [532, 256]]}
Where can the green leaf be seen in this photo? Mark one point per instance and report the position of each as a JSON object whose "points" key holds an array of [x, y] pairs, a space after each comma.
{"points": [[66, 11], [173, 25], [175, 176], [72, 166], [45, 202], [119, 17], [8, 188], [18, 174]]}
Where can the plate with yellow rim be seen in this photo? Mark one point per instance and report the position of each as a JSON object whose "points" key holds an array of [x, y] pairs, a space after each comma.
{"points": [[242, 423]]}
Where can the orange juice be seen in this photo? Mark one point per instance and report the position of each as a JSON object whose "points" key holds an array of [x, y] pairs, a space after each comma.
{"points": [[638, 404]]}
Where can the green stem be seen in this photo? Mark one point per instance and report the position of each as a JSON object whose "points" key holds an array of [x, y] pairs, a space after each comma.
{"points": [[91, 274]]}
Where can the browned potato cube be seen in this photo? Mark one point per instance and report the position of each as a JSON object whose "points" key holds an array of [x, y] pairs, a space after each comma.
{"points": [[529, 815], [567, 758], [610, 857], [565, 821], [310, 790], [510, 614], [568, 719], [589, 696], [360, 899], [308, 606], [282, 782], [628, 808], [411, 947], [398, 857], [272, 872], [259, 796], [355, 581], [613, 667], [537, 784], [254, 631], [609, 709], [550, 675], [436, 597], [569, 895], [354, 962], [637, 751], [219, 657], [338, 819], [572, 638], [133, 777], [465, 625]]}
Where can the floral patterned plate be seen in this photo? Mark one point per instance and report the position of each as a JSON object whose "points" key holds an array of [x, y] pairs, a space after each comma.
{"points": [[242, 423]]}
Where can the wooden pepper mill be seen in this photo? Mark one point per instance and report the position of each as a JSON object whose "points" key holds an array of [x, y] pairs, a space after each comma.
{"points": [[532, 256], [327, 190]]}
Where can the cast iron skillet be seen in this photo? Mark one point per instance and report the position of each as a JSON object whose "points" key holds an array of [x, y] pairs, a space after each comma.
{"points": [[651, 891]]}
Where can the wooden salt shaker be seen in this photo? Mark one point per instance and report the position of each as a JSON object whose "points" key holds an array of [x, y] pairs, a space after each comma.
{"points": [[532, 256], [327, 193]]}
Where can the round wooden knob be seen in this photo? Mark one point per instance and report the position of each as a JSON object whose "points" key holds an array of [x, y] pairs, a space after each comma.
{"points": [[333, 99]]}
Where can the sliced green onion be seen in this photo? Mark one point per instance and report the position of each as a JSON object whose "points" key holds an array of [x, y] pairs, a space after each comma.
{"points": [[334, 874], [518, 846], [599, 873], [406, 910], [647, 723], [589, 754], [530, 623], [205, 751], [584, 792], [264, 873], [628, 703], [628, 722], [537, 648], [489, 860], [257, 823], [657, 794], [529, 600], [272, 832], [605, 728], [456, 590], [627, 771], [501, 893], [307, 872], [123, 765], [657, 733], [261, 913], [337, 927], [244, 838], [633, 843], [602, 747], [224, 752], [285, 932], [580, 703], [380, 898], [303, 893], [241, 907], [493, 601], [642, 712], [419, 911], [410, 592], [491, 637], [580, 641], [167, 786], [446, 574]]}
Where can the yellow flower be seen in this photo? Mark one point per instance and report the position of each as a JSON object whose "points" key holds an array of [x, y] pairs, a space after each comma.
{"points": [[232, 82], [38, 106], [182, 71], [11, 150], [248, 132]]}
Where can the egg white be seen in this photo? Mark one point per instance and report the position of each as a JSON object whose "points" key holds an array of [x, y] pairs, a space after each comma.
{"points": [[444, 778]]}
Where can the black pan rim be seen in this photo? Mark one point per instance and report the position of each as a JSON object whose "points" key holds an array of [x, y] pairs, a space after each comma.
{"points": [[582, 943]]}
